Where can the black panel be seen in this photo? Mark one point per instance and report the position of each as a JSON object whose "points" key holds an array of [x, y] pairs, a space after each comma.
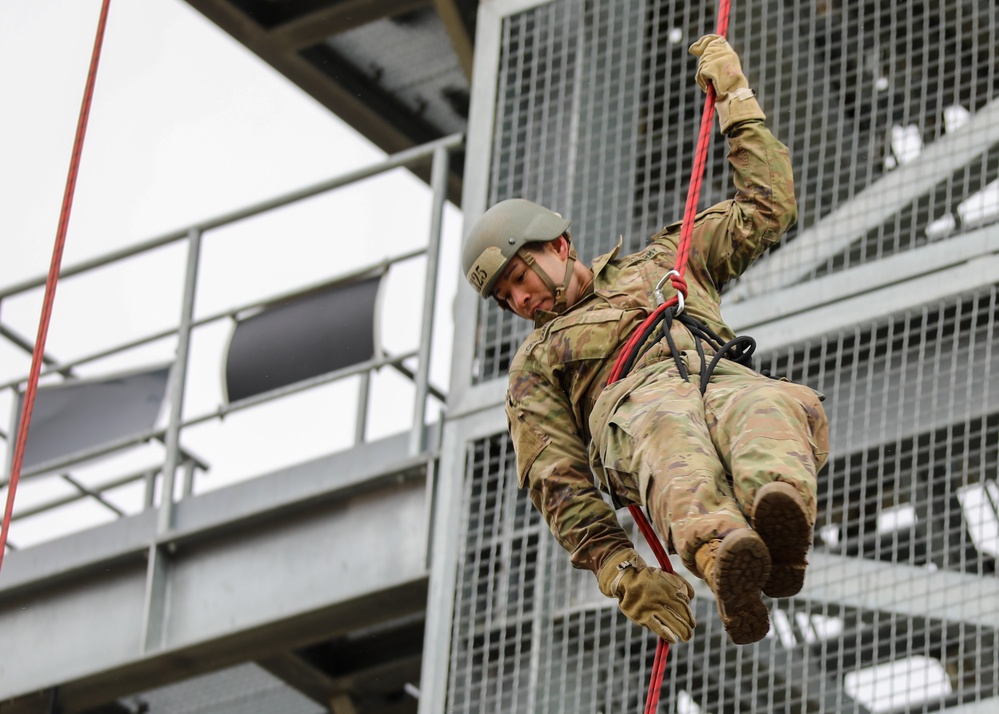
{"points": [[312, 335], [81, 415]]}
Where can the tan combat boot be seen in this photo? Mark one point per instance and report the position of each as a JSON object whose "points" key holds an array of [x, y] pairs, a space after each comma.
{"points": [[735, 568], [781, 519]]}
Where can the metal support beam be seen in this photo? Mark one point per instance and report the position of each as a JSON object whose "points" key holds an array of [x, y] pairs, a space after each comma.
{"points": [[845, 299], [445, 539], [342, 704], [303, 73], [157, 562], [27, 345], [296, 672], [862, 583], [461, 40], [986, 706], [260, 568], [336, 18], [339, 96], [341, 476], [178, 381], [438, 183], [836, 231], [835, 290]]}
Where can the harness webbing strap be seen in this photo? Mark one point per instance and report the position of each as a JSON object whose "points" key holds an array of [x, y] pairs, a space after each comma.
{"points": [[560, 293]]}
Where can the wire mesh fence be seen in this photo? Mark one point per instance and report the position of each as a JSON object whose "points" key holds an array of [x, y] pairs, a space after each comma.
{"points": [[888, 111]]}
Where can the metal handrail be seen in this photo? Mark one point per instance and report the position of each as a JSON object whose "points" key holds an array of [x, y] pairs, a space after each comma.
{"points": [[231, 312], [395, 161], [439, 151]]}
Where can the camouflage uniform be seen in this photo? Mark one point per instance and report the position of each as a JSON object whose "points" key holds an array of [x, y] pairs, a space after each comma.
{"points": [[651, 438]]}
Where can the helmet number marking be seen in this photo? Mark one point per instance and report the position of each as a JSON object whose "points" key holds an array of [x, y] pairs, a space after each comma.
{"points": [[477, 276]]}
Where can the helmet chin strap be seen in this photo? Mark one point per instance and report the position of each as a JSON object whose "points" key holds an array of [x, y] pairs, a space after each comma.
{"points": [[559, 292]]}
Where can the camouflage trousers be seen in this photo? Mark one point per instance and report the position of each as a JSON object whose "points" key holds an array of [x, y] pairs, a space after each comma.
{"points": [[697, 461]]}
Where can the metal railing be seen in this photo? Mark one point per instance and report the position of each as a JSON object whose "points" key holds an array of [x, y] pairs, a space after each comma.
{"points": [[437, 152]]}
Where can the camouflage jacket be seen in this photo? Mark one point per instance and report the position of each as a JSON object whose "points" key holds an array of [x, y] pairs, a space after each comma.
{"points": [[556, 397]]}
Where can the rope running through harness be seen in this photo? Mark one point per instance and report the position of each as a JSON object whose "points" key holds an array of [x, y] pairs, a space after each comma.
{"points": [[740, 349]]}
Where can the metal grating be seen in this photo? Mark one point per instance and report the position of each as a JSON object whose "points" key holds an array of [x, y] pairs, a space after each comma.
{"points": [[888, 111], [901, 608], [492, 639], [421, 72], [886, 107], [244, 689], [594, 119]]}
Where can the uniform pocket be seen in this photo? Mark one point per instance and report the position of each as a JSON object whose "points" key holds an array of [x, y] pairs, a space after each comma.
{"points": [[528, 443], [586, 335]]}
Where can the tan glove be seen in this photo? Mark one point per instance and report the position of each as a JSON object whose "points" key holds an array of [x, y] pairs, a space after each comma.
{"points": [[719, 65], [650, 597]]}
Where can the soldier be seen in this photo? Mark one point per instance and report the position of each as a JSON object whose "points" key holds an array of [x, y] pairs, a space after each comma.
{"points": [[726, 468]]}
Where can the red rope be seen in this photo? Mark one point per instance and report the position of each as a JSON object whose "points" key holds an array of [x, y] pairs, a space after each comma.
{"points": [[680, 285], [51, 281]]}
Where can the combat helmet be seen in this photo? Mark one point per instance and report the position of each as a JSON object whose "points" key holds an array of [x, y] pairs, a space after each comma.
{"points": [[499, 234]]}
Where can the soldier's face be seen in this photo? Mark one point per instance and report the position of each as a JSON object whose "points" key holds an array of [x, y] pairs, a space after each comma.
{"points": [[523, 290]]}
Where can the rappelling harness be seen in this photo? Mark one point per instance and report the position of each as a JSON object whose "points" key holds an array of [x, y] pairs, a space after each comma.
{"points": [[739, 349]]}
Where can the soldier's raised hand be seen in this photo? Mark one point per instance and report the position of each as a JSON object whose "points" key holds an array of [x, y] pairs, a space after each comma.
{"points": [[719, 66]]}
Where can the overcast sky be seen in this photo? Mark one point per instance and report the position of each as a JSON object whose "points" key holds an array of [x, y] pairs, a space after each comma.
{"points": [[186, 124]]}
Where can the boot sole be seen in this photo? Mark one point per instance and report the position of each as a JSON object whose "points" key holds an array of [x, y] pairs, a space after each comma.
{"points": [[779, 516], [742, 566]]}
